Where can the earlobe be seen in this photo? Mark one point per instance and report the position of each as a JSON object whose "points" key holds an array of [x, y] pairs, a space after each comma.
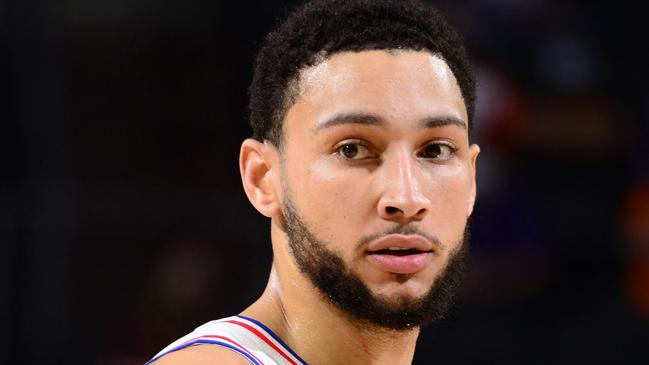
{"points": [[257, 165], [474, 151]]}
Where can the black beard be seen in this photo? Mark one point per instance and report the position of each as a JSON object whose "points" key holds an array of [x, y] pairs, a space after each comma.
{"points": [[345, 290]]}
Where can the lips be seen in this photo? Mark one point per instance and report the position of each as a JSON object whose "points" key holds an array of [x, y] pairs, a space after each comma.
{"points": [[400, 254]]}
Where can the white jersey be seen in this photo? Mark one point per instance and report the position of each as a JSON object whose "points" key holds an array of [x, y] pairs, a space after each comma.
{"points": [[245, 336]]}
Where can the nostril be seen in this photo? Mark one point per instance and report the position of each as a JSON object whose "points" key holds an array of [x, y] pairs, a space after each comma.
{"points": [[391, 210]]}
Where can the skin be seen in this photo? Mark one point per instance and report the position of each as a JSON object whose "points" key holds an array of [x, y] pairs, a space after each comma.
{"points": [[394, 171]]}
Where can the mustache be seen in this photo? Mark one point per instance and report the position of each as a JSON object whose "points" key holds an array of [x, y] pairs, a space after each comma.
{"points": [[404, 230]]}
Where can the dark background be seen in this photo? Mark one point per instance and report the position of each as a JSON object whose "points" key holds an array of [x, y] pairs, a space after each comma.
{"points": [[123, 224]]}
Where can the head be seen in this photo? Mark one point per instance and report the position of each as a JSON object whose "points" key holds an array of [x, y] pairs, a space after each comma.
{"points": [[361, 112]]}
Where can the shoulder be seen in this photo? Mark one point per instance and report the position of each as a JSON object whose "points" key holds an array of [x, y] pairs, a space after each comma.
{"points": [[202, 355]]}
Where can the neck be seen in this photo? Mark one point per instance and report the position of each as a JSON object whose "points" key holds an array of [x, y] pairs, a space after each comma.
{"points": [[298, 313]]}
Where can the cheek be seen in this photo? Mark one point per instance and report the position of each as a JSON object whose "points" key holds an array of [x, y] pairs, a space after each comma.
{"points": [[333, 200], [449, 193]]}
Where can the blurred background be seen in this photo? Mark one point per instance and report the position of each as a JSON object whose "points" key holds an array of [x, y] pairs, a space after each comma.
{"points": [[123, 224]]}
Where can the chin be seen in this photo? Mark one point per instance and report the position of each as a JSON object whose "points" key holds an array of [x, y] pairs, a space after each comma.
{"points": [[401, 289]]}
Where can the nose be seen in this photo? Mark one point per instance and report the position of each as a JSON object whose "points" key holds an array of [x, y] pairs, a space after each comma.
{"points": [[402, 199]]}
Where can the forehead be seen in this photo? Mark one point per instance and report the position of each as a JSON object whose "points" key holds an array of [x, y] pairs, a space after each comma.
{"points": [[394, 85]]}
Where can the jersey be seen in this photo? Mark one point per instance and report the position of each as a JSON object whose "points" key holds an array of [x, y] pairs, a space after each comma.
{"points": [[243, 335]]}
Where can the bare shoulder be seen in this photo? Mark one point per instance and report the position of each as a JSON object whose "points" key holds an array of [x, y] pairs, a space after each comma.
{"points": [[202, 355]]}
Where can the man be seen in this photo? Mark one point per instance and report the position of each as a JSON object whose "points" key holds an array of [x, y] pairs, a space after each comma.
{"points": [[361, 113]]}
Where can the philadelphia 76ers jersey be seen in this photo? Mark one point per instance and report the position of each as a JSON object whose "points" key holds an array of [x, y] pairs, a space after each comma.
{"points": [[245, 336]]}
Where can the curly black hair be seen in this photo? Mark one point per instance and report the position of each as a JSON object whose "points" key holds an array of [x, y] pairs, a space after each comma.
{"points": [[321, 28]]}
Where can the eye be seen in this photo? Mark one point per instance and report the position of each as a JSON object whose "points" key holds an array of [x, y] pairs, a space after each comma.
{"points": [[437, 151], [354, 151]]}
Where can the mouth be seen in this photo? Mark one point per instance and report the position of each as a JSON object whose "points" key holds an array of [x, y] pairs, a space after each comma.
{"points": [[398, 251], [399, 254]]}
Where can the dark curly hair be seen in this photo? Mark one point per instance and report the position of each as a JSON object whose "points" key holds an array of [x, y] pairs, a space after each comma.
{"points": [[318, 29]]}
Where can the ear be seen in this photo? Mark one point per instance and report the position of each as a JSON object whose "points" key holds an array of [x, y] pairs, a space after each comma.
{"points": [[258, 164], [474, 151]]}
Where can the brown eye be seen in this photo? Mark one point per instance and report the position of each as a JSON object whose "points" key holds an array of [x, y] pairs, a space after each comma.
{"points": [[437, 151], [354, 151], [349, 150]]}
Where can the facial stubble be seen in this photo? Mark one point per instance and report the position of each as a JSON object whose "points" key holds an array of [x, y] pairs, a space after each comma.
{"points": [[344, 289]]}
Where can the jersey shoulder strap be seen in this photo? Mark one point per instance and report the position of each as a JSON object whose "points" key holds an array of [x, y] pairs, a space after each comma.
{"points": [[243, 335]]}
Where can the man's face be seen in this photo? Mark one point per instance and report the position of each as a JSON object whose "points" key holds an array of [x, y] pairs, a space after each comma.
{"points": [[377, 170]]}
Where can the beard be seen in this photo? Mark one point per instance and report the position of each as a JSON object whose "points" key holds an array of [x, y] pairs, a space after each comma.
{"points": [[345, 290]]}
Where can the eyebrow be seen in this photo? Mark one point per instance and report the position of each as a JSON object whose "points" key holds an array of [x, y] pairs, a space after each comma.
{"points": [[348, 118], [434, 122], [369, 119]]}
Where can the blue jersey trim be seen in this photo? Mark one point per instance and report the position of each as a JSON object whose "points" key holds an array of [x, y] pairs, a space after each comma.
{"points": [[268, 330], [212, 342]]}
